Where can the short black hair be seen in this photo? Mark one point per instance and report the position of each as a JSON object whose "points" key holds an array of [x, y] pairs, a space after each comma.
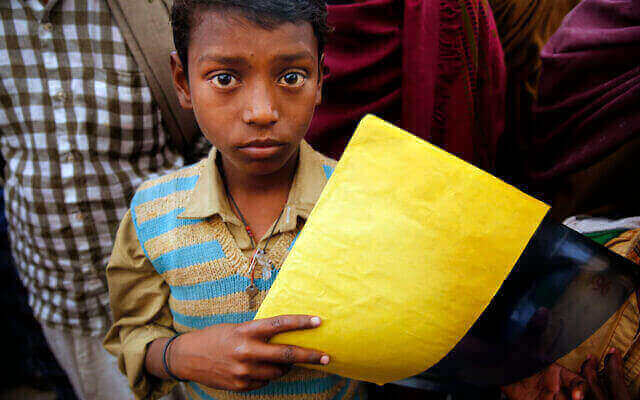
{"points": [[265, 13]]}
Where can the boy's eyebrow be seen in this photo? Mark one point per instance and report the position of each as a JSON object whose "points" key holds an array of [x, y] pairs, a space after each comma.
{"points": [[242, 61], [295, 56], [228, 60]]}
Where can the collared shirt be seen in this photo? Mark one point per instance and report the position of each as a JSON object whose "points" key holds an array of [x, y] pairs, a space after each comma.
{"points": [[210, 198], [132, 277], [79, 131]]}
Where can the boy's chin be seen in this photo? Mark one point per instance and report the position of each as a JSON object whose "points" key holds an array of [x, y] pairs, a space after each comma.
{"points": [[264, 167], [258, 165]]}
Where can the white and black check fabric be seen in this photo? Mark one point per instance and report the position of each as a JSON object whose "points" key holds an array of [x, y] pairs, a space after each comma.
{"points": [[78, 133]]}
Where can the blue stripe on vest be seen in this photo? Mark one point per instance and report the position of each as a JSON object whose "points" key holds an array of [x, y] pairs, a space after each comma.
{"points": [[192, 321], [163, 224], [328, 171], [219, 287], [312, 386], [165, 189], [188, 256]]}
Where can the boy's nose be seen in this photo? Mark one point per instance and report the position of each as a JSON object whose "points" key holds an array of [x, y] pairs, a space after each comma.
{"points": [[260, 110]]}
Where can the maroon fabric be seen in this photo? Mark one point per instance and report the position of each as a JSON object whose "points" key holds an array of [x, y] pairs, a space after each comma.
{"points": [[417, 64], [364, 57], [589, 93]]}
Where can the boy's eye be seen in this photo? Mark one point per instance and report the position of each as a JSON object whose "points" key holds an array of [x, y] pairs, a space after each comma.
{"points": [[224, 81], [292, 79]]}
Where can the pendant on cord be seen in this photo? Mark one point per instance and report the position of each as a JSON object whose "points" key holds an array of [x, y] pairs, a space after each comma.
{"points": [[259, 256], [252, 290], [267, 265]]}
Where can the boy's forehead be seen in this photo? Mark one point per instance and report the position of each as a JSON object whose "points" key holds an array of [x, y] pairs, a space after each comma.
{"points": [[232, 33]]}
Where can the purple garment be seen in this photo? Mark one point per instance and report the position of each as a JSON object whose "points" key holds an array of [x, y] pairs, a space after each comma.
{"points": [[589, 93]]}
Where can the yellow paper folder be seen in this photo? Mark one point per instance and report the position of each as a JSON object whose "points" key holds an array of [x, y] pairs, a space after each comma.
{"points": [[405, 248]]}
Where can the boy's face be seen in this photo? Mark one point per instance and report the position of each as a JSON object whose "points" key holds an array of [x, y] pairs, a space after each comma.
{"points": [[253, 91]]}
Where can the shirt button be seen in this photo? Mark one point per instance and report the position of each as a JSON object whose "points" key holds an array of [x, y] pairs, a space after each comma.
{"points": [[60, 96], [47, 27], [79, 217], [69, 157]]}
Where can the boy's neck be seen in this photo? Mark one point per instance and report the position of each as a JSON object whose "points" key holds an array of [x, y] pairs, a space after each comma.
{"points": [[241, 183], [260, 199]]}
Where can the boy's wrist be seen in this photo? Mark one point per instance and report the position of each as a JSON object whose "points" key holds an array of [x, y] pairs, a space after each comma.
{"points": [[174, 359], [166, 354]]}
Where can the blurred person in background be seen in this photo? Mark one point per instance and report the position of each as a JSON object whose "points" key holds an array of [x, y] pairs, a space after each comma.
{"points": [[524, 28], [32, 363], [586, 141], [435, 68], [584, 152], [80, 129]]}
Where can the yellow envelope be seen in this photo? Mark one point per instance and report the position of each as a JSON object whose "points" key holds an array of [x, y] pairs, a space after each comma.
{"points": [[404, 250]]}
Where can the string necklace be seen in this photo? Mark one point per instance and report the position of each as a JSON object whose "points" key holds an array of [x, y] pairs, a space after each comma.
{"points": [[260, 255]]}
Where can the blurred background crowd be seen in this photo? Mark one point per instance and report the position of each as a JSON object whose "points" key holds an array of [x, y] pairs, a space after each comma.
{"points": [[544, 94]]}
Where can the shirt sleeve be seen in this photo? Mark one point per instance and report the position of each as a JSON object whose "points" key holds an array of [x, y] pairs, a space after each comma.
{"points": [[139, 302]]}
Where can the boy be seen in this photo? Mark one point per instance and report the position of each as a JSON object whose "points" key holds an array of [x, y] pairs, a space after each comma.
{"points": [[199, 248]]}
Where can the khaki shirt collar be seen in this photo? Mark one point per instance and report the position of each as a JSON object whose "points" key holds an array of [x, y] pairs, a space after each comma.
{"points": [[209, 198]]}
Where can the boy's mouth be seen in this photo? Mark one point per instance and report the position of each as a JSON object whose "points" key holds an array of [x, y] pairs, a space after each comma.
{"points": [[261, 148]]}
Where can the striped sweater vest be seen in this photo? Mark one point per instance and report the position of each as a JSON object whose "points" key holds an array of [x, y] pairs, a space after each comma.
{"points": [[207, 274]]}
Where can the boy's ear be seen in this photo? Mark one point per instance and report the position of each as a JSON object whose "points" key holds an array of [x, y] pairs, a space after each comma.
{"points": [[321, 72], [180, 81]]}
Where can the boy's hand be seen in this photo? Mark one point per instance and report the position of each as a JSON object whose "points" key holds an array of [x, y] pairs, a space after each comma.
{"points": [[237, 356]]}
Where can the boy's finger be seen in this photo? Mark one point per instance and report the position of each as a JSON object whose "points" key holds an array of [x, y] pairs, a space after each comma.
{"points": [[613, 368], [268, 327], [286, 354]]}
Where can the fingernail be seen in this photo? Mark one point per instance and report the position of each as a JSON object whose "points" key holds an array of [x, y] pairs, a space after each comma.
{"points": [[315, 321], [324, 360]]}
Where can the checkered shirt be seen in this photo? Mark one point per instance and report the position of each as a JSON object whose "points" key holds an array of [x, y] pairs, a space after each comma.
{"points": [[78, 133]]}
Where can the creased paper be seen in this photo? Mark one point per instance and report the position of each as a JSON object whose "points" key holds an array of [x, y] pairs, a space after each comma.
{"points": [[405, 248]]}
